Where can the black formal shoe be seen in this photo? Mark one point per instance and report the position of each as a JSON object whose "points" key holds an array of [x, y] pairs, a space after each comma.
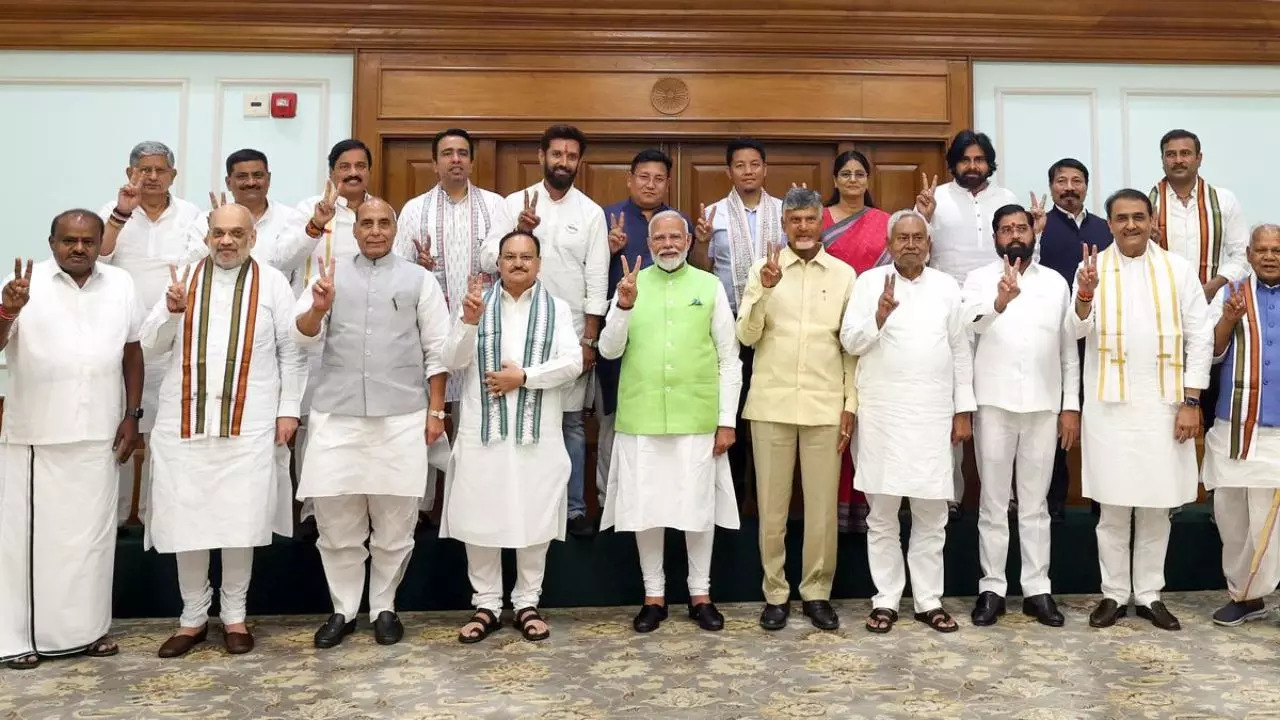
{"points": [[774, 617], [707, 616], [1159, 616], [1106, 614], [821, 614], [582, 527], [1238, 613], [333, 631], [180, 644], [989, 607], [387, 628], [649, 618], [1043, 609]]}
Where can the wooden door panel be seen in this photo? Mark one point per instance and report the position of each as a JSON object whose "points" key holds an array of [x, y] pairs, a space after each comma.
{"points": [[895, 176]]}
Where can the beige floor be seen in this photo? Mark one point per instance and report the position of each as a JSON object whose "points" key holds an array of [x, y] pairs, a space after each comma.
{"points": [[594, 666]]}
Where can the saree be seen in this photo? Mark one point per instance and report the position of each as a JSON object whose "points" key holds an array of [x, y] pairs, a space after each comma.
{"points": [[859, 240]]}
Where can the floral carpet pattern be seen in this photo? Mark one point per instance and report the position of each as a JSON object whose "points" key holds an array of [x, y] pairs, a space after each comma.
{"points": [[595, 667]]}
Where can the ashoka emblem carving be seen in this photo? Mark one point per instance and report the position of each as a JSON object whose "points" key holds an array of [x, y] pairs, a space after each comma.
{"points": [[670, 96]]}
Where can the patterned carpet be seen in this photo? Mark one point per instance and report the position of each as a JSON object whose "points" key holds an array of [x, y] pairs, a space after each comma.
{"points": [[594, 667]]}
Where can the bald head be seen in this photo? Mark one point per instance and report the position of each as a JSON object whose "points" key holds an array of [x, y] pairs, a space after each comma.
{"points": [[1264, 253], [375, 227], [231, 235]]}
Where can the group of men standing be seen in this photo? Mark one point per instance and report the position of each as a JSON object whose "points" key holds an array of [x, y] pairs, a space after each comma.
{"points": [[222, 335]]}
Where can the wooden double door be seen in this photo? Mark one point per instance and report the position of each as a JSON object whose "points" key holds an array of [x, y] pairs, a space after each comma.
{"points": [[697, 175]]}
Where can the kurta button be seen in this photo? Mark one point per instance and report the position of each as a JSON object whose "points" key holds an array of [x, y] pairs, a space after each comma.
{"points": [[366, 374], [366, 352], [368, 331], [669, 389]]}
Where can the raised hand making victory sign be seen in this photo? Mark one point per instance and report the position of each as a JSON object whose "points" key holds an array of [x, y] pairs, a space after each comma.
{"points": [[771, 271], [887, 304], [617, 233], [18, 290], [425, 258], [322, 291], [626, 292], [473, 302], [175, 298], [1008, 289], [529, 219]]}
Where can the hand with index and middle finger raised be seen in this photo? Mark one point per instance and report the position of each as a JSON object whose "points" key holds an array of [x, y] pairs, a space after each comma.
{"points": [[425, 258], [617, 233], [887, 303], [17, 292], [925, 200], [627, 292], [322, 290], [217, 200], [175, 297], [1087, 276], [327, 206], [473, 303], [130, 195], [1008, 288], [705, 226], [771, 271], [529, 219], [1235, 307], [1039, 218]]}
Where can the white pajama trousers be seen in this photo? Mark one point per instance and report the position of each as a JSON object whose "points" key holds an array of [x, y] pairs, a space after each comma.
{"points": [[484, 568], [197, 592], [698, 545], [1143, 578], [1241, 515], [1000, 438], [344, 523], [924, 554]]}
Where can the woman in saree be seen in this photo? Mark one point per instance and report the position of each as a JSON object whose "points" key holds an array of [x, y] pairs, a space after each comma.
{"points": [[855, 231]]}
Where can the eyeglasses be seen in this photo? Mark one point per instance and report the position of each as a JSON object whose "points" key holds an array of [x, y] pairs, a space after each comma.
{"points": [[522, 258], [1010, 230], [149, 171], [847, 175]]}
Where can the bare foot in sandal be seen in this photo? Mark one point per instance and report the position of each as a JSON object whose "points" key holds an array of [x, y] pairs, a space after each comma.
{"points": [[482, 624], [531, 625], [939, 620], [881, 620], [102, 647], [25, 662]]}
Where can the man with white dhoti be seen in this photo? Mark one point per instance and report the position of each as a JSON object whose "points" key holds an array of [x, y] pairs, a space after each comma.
{"points": [[516, 349], [915, 397], [222, 414], [678, 391], [69, 329], [443, 230], [1026, 381], [1148, 348], [146, 231], [378, 404], [570, 228], [801, 403], [1242, 452]]}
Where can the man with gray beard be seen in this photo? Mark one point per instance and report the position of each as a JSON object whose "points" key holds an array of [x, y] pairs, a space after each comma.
{"points": [[677, 404]]}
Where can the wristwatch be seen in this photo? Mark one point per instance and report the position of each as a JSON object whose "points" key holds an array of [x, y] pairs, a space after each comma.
{"points": [[135, 413], [1191, 402], [438, 414]]}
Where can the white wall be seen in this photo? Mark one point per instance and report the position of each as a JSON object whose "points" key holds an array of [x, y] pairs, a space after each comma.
{"points": [[71, 118], [1111, 117]]}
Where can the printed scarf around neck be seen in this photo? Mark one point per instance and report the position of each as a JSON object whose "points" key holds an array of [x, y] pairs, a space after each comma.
{"points": [[1245, 391], [538, 338], [1210, 224], [743, 252], [239, 354], [455, 285]]}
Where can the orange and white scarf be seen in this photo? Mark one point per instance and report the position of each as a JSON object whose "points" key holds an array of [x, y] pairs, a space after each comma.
{"points": [[239, 355], [1210, 224], [1113, 375], [1245, 390]]}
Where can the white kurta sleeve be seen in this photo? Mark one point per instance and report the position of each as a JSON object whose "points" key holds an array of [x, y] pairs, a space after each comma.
{"points": [[1197, 333], [724, 334], [962, 359], [1235, 239], [292, 247], [292, 363], [159, 331], [433, 325], [979, 301], [460, 346], [613, 338], [565, 364], [1070, 356], [1215, 316], [596, 268], [302, 305], [858, 331]]}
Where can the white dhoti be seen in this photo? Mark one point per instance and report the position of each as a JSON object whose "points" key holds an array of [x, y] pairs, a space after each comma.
{"points": [[670, 481], [363, 473], [1000, 437], [1244, 491], [924, 552], [57, 547]]}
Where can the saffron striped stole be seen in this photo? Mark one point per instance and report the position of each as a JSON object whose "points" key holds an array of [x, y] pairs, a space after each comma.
{"points": [[1245, 390], [239, 355], [1210, 224]]}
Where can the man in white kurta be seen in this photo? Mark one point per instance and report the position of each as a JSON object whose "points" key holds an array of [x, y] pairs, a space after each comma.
{"points": [[146, 232], [68, 326], [380, 324], [960, 214], [1148, 347], [915, 396], [575, 268], [515, 347], [677, 407], [1242, 450], [1026, 382], [230, 397]]}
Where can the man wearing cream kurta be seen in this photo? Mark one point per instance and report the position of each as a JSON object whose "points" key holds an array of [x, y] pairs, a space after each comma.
{"points": [[381, 324], [801, 397], [677, 405], [1148, 348], [915, 398]]}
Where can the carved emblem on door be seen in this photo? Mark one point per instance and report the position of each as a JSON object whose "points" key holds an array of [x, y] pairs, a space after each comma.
{"points": [[670, 96]]}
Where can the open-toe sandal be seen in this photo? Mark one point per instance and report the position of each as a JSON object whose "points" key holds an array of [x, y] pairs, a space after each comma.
{"points": [[488, 622], [937, 619], [529, 615], [881, 620]]}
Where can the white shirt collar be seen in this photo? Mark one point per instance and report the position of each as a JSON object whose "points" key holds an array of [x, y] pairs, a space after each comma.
{"points": [[1084, 212]]}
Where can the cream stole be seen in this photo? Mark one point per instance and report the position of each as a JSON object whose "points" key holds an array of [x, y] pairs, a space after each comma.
{"points": [[1113, 375], [1210, 224], [1245, 391], [239, 354], [742, 252]]}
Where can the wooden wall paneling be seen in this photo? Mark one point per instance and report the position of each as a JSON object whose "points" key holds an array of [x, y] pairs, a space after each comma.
{"points": [[896, 168], [1097, 30]]}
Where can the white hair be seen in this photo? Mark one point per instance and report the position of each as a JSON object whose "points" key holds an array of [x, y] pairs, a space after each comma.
{"points": [[668, 214], [1262, 228], [150, 147], [909, 213]]}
